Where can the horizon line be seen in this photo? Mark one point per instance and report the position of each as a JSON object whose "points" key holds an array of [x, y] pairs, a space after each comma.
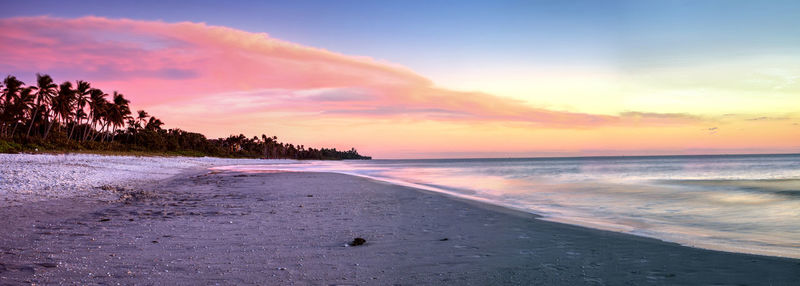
{"points": [[797, 153]]}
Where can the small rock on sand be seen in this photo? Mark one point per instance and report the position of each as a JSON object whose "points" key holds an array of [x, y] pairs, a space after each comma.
{"points": [[357, 241]]}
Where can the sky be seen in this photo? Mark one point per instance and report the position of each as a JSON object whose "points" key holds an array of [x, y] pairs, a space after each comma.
{"points": [[433, 79]]}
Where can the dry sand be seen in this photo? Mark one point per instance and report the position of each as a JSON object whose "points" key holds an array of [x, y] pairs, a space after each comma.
{"points": [[40, 177], [291, 228]]}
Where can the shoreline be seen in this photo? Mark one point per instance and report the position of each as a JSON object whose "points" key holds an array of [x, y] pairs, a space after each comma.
{"points": [[498, 207], [279, 228], [591, 224]]}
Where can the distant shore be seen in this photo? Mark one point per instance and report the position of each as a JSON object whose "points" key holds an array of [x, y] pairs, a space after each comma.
{"points": [[281, 228]]}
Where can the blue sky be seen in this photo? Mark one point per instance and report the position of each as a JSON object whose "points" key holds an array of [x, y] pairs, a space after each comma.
{"points": [[426, 35], [404, 31]]}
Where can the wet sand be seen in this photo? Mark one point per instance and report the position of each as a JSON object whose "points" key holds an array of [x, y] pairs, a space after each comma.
{"points": [[292, 228]]}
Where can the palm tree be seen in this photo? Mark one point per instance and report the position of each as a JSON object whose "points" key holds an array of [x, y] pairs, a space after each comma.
{"points": [[97, 104], [80, 115], [3, 111], [82, 92], [154, 124], [65, 105], [2, 102], [9, 96], [12, 87], [23, 104], [119, 111], [134, 125], [133, 128], [61, 105], [45, 91], [101, 115], [142, 117]]}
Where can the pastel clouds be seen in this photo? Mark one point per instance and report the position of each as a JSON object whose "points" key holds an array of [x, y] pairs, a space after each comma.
{"points": [[219, 81], [178, 64]]}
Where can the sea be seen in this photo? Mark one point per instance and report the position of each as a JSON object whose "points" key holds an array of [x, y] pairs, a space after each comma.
{"points": [[736, 203]]}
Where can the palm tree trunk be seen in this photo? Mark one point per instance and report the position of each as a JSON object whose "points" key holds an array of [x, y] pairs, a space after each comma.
{"points": [[92, 131], [33, 121], [104, 131], [49, 126], [46, 131], [113, 132], [15, 129], [86, 131], [98, 132], [70, 131]]}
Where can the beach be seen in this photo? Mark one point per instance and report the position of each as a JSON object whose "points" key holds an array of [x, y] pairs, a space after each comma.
{"points": [[204, 226], [28, 178]]}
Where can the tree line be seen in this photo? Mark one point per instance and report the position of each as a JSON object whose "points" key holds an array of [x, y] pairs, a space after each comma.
{"points": [[69, 117]]}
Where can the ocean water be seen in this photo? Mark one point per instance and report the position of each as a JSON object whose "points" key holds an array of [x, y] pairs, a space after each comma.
{"points": [[739, 203]]}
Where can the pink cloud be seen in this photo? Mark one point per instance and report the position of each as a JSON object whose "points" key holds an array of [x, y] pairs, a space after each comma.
{"points": [[228, 71]]}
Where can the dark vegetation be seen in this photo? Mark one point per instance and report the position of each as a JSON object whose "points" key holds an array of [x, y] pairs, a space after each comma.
{"points": [[76, 117]]}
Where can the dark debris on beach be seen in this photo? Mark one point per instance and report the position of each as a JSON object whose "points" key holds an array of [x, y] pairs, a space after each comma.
{"points": [[357, 241]]}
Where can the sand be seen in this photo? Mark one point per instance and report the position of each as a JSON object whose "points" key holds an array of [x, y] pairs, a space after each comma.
{"points": [[39, 177], [228, 228]]}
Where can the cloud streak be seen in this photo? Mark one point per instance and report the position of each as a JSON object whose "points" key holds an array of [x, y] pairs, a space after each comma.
{"points": [[201, 67]]}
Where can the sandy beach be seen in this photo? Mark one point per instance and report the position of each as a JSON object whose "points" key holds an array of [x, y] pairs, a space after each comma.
{"points": [[39, 177], [202, 227]]}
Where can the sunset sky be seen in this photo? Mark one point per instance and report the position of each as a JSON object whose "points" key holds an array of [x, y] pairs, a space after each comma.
{"points": [[414, 79]]}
